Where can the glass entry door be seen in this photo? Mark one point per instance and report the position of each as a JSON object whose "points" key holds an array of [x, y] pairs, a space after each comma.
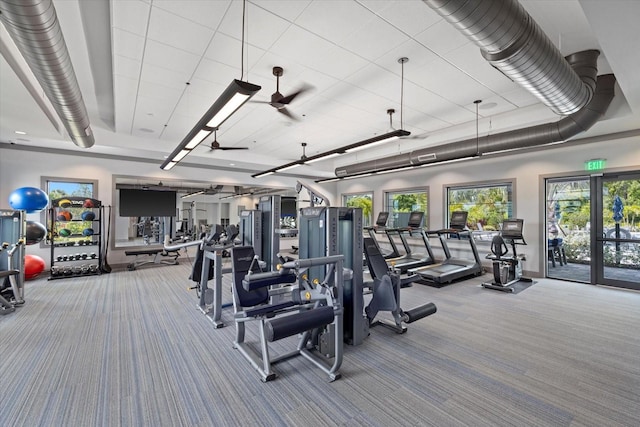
{"points": [[568, 225], [616, 242]]}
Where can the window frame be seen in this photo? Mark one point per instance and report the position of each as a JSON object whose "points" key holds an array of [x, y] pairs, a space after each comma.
{"points": [[508, 182], [366, 220], [411, 190], [44, 184]]}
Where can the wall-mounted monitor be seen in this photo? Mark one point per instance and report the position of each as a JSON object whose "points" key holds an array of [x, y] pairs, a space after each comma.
{"points": [[147, 203]]}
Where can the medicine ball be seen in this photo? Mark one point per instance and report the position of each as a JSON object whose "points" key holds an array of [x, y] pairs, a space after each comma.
{"points": [[88, 216], [88, 204], [87, 232], [64, 232], [35, 232], [64, 203], [64, 216], [29, 199]]}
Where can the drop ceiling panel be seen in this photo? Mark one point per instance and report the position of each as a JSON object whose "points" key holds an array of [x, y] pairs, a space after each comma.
{"points": [[442, 38], [227, 50], [206, 13], [169, 57], [128, 45], [374, 39], [131, 16], [125, 67], [183, 34], [412, 17], [165, 77], [297, 44], [262, 28], [418, 56], [124, 96], [334, 20], [286, 9]]}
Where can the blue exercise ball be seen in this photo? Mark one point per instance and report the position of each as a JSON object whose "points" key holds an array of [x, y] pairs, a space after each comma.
{"points": [[29, 199], [87, 232], [35, 232]]}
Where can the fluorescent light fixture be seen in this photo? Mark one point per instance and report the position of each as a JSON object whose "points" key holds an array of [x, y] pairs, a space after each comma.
{"points": [[362, 147], [181, 155], [19, 132], [234, 96], [168, 165], [286, 168], [234, 103], [261, 174], [197, 139], [195, 193], [317, 159], [332, 153]]}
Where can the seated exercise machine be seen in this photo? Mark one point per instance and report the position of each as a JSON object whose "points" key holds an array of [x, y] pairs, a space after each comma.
{"points": [[380, 228], [313, 311], [386, 293], [411, 260], [507, 270], [208, 266], [452, 268], [158, 256]]}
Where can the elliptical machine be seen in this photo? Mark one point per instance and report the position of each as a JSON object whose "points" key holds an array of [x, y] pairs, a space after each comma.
{"points": [[507, 269]]}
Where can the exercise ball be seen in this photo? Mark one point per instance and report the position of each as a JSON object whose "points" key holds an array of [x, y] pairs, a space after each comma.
{"points": [[64, 216], [64, 203], [29, 199], [33, 266], [87, 232], [35, 232], [64, 232], [88, 216], [88, 203]]}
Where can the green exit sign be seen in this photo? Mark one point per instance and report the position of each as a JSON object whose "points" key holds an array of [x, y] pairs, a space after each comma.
{"points": [[594, 165]]}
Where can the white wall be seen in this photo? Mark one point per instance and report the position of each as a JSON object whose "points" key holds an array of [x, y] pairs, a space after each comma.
{"points": [[20, 168], [528, 169]]}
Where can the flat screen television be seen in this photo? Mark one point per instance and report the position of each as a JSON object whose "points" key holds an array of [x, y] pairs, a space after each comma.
{"points": [[147, 203]]}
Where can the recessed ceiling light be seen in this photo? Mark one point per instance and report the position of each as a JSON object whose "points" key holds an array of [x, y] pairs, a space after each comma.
{"points": [[232, 164], [19, 132]]}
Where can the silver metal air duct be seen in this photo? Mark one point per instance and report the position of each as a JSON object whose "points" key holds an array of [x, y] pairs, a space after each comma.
{"points": [[34, 28], [533, 136], [514, 44]]}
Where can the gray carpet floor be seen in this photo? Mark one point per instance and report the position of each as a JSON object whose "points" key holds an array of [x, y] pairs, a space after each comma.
{"points": [[130, 349]]}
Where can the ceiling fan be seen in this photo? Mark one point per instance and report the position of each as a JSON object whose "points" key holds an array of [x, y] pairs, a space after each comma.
{"points": [[278, 100], [215, 145]]}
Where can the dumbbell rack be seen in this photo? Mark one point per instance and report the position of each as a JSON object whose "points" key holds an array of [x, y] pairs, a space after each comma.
{"points": [[73, 253]]}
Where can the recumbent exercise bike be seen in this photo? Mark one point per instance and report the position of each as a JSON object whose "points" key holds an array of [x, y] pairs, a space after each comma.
{"points": [[507, 269]]}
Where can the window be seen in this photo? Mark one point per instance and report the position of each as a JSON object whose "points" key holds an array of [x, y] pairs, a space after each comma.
{"points": [[488, 204], [360, 200], [57, 188], [400, 204]]}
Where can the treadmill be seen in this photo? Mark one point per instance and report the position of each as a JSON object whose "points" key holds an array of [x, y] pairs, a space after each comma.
{"points": [[411, 260], [379, 228], [452, 268]]}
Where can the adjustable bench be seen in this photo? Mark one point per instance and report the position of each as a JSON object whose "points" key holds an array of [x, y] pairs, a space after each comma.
{"points": [[160, 256]]}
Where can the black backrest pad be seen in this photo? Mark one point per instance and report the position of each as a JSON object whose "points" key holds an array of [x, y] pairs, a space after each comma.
{"points": [[498, 247], [241, 260], [377, 265]]}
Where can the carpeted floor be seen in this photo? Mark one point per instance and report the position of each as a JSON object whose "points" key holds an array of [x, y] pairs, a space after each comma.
{"points": [[130, 349]]}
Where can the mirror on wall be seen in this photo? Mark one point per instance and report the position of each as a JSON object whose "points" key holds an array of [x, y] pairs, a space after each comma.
{"points": [[147, 209]]}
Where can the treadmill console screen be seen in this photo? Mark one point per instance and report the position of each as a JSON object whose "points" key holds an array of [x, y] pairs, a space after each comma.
{"points": [[415, 219], [512, 228], [458, 220], [382, 219]]}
